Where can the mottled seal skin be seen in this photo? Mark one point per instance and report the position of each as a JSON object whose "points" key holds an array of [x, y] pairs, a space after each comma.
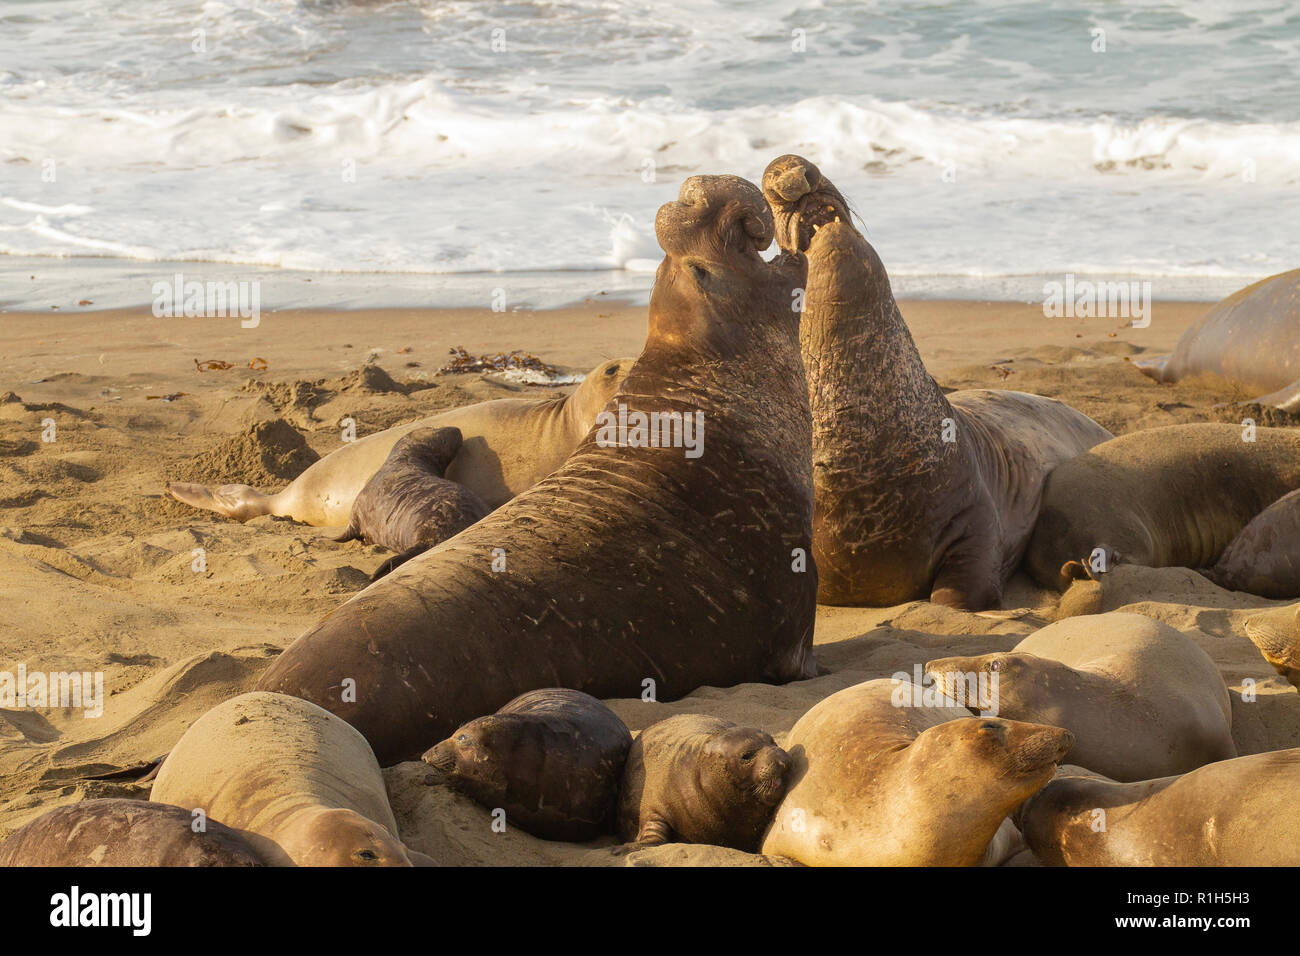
{"points": [[1264, 558], [124, 833], [551, 758], [1276, 633], [1163, 497], [698, 779], [1238, 812], [1141, 699], [408, 506], [629, 563], [880, 780], [918, 494]]}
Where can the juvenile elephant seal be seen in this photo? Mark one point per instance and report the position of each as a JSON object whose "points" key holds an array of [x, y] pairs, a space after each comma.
{"points": [[1264, 558], [1141, 699], [408, 506], [1163, 497], [636, 561], [918, 494], [124, 833], [878, 779], [509, 445], [1276, 633], [552, 759], [698, 779], [1238, 812], [300, 784]]}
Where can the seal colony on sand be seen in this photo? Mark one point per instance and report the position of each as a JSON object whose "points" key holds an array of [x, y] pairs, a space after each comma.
{"points": [[1277, 635], [632, 568], [1264, 558], [918, 494], [510, 444]]}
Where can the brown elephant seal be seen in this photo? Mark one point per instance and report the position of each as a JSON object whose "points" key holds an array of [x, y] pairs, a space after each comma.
{"points": [[1162, 497], [1238, 812], [918, 494], [1276, 633], [881, 777], [408, 506], [510, 444], [1141, 698], [551, 758], [637, 565], [1264, 558], [698, 779], [298, 783], [120, 832]]}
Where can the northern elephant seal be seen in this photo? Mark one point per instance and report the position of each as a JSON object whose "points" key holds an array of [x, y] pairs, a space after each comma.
{"points": [[1264, 558], [918, 494], [552, 759], [1141, 699], [510, 444], [636, 562], [300, 784], [1276, 633], [697, 779], [881, 777]]}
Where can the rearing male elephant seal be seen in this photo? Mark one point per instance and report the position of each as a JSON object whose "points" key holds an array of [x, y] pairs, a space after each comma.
{"points": [[510, 445], [1264, 558], [1142, 699], [918, 494], [638, 563], [301, 785], [1276, 633], [552, 759]]}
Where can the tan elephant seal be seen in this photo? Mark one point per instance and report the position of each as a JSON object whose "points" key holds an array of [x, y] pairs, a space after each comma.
{"points": [[1264, 558], [880, 777], [918, 494], [298, 783], [510, 444], [1141, 699], [1276, 633]]}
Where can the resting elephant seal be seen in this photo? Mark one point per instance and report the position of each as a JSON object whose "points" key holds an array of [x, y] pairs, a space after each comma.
{"points": [[1141, 699], [882, 778], [1276, 633], [299, 783], [918, 494], [124, 833], [1264, 558], [1162, 497], [510, 445], [1238, 812], [552, 759], [636, 564]]}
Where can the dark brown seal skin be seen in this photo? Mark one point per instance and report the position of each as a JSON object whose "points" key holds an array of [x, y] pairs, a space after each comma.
{"points": [[1276, 632], [1264, 558], [698, 779], [629, 564], [902, 513], [551, 758], [124, 833], [408, 506]]}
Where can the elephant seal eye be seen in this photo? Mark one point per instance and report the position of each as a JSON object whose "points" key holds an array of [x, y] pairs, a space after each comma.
{"points": [[995, 665], [699, 272], [463, 739], [612, 370], [367, 854]]}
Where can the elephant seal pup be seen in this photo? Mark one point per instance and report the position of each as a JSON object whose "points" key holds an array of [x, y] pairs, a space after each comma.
{"points": [[1264, 558], [408, 506], [918, 494], [1141, 699], [1163, 497], [552, 759], [1238, 812], [1276, 633], [510, 445], [120, 832], [698, 779], [883, 777], [299, 783], [637, 561]]}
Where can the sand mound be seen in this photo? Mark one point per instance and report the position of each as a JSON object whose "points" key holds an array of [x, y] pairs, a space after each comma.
{"points": [[266, 453]]}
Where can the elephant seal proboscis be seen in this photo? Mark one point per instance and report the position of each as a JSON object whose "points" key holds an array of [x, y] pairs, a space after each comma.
{"points": [[1264, 558], [551, 759], [918, 494], [697, 779], [1141, 698], [636, 567], [1276, 632], [510, 444], [880, 779], [298, 783]]}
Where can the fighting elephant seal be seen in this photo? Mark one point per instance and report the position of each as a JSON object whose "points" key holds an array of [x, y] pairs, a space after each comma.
{"points": [[510, 444], [551, 758], [636, 562], [300, 784], [918, 494], [1276, 633], [1141, 699], [1162, 497], [1264, 558], [879, 778]]}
